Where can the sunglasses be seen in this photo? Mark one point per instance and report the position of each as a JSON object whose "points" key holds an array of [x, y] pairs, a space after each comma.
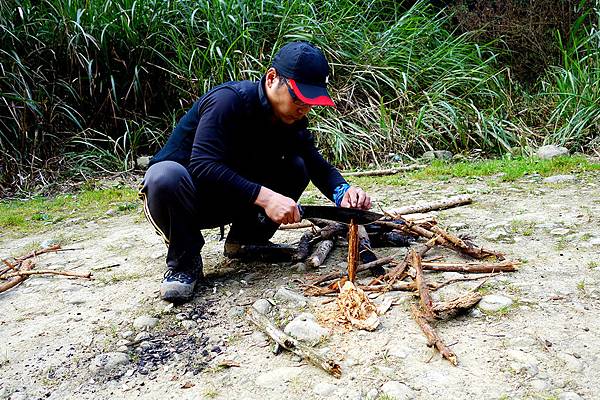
{"points": [[295, 98]]}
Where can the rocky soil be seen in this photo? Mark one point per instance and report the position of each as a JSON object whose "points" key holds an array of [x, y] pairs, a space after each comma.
{"points": [[535, 336]]}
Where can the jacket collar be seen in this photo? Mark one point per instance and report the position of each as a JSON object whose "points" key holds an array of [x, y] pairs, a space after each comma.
{"points": [[262, 96]]}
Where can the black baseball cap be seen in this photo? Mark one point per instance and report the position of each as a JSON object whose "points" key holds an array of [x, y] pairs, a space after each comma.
{"points": [[306, 70]]}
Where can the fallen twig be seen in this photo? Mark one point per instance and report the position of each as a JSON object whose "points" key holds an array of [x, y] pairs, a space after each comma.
{"points": [[507, 266], [384, 172], [26, 265], [320, 253], [87, 275], [292, 344], [435, 205], [432, 337]]}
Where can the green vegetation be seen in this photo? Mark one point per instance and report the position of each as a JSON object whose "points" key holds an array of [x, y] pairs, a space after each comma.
{"points": [[36, 214], [88, 86]]}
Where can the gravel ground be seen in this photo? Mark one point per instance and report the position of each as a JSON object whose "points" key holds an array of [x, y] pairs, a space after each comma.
{"points": [[535, 337]]}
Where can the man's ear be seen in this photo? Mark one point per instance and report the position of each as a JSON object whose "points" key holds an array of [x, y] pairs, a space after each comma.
{"points": [[271, 76]]}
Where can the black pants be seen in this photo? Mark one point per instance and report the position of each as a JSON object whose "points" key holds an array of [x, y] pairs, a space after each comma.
{"points": [[178, 209]]}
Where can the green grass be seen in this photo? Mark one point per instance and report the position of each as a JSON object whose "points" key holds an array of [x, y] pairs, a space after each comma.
{"points": [[510, 168], [40, 213]]}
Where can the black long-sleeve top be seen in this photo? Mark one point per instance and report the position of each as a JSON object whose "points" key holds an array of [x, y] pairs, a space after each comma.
{"points": [[231, 132]]}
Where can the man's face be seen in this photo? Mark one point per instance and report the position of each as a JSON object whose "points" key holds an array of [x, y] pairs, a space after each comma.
{"points": [[285, 107]]}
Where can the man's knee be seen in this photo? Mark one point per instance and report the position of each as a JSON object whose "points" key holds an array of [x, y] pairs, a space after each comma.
{"points": [[164, 177]]}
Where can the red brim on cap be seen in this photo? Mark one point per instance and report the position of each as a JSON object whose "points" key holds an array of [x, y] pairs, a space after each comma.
{"points": [[311, 94]]}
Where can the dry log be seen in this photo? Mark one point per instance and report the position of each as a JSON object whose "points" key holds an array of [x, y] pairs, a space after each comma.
{"points": [[26, 265], [362, 267], [396, 286], [450, 308], [384, 172], [461, 246], [352, 250], [292, 344], [436, 286], [320, 253], [399, 271], [435, 205], [303, 246], [86, 275], [432, 336], [507, 266], [424, 295]]}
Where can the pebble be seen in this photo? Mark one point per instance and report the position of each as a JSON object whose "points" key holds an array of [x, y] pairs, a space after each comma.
{"points": [[140, 337], [569, 396], [108, 362], [560, 179], [188, 324], [263, 306], [236, 312], [259, 339], [127, 334], [560, 231], [539, 385], [397, 351], [285, 295], [523, 362], [437, 154], [571, 363], [397, 390], [452, 275], [550, 151], [305, 328], [371, 394], [324, 389], [145, 322], [76, 300], [277, 377], [493, 302]]}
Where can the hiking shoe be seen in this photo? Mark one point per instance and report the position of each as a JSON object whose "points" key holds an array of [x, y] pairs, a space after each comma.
{"points": [[178, 286], [266, 251]]}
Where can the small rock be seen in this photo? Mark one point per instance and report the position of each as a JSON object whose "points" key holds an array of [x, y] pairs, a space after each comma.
{"points": [[572, 363], [300, 267], [397, 351], [236, 312], [475, 313], [569, 396], [437, 154], [145, 322], [48, 243], [263, 306], [143, 162], [371, 394], [110, 212], [457, 226], [277, 377], [76, 300], [385, 371], [123, 342], [285, 295], [594, 241], [259, 339], [122, 349], [140, 337], [398, 390], [551, 151], [500, 235], [108, 362], [127, 334], [560, 179], [560, 231], [324, 389], [189, 324], [539, 385], [452, 275], [493, 302], [305, 328]]}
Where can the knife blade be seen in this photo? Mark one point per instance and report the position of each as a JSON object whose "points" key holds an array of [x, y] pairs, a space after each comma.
{"points": [[340, 214]]}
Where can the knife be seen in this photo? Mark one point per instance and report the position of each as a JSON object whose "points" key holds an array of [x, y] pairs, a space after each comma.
{"points": [[340, 214]]}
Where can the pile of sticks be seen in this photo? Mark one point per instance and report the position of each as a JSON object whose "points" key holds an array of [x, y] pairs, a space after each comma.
{"points": [[407, 274], [19, 269]]}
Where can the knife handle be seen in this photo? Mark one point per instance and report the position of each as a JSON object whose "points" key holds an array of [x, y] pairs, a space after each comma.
{"points": [[301, 211]]}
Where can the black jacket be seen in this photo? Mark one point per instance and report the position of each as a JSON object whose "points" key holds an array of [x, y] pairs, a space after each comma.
{"points": [[230, 132]]}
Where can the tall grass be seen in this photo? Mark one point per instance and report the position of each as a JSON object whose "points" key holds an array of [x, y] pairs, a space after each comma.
{"points": [[93, 84]]}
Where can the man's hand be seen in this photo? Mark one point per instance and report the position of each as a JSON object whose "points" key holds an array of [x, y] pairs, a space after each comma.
{"points": [[281, 209], [355, 197]]}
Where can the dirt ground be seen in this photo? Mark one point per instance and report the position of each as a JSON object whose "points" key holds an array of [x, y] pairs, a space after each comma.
{"points": [[66, 338]]}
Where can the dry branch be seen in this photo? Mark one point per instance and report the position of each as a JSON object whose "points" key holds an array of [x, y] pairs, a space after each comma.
{"points": [[432, 337], [303, 246], [297, 225], [292, 344], [384, 172], [362, 267], [86, 275], [435, 205], [424, 295], [352, 250], [450, 308], [26, 265], [320, 253], [507, 266]]}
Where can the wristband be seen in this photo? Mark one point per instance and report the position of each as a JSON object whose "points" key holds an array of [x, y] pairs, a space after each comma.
{"points": [[338, 193]]}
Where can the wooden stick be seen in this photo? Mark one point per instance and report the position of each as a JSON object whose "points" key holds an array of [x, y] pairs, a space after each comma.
{"points": [[86, 275], [475, 252], [297, 225], [383, 172], [399, 271], [303, 246], [292, 344], [26, 265], [36, 253], [436, 286], [424, 295], [352, 250], [450, 308], [507, 266], [435, 205], [320, 253], [432, 337], [380, 262]]}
